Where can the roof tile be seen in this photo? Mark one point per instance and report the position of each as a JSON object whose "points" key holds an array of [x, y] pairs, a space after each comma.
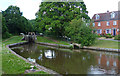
{"points": [[107, 16]]}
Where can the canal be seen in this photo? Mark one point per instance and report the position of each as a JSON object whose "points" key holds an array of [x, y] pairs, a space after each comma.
{"points": [[66, 61]]}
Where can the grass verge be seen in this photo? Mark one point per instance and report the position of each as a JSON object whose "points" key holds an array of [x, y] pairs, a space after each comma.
{"points": [[11, 64], [50, 40], [106, 44]]}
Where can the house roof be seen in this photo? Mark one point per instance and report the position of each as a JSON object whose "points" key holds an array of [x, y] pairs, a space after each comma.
{"points": [[107, 16]]}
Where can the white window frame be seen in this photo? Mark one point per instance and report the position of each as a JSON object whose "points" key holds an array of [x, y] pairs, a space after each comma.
{"points": [[112, 15], [97, 17], [93, 24], [109, 31], [99, 24], [117, 30], [114, 22], [100, 31], [108, 23]]}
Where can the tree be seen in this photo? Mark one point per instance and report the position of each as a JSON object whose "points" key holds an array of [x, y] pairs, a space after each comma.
{"points": [[33, 25], [80, 33], [15, 22], [54, 17], [5, 33]]}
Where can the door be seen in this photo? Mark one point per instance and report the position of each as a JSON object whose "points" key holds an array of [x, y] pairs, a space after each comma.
{"points": [[114, 32]]}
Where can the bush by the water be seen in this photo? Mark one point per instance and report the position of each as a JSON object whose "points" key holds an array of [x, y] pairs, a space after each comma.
{"points": [[109, 36], [80, 33], [117, 37]]}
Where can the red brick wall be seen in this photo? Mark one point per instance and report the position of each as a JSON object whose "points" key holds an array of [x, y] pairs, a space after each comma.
{"points": [[104, 26]]}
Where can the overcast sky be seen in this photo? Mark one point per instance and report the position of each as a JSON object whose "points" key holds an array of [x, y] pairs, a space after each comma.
{"points": [[30, 7]]}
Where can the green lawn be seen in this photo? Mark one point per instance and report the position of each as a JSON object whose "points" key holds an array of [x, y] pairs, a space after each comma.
{"points": [[106, 44], [38, 72], [41, 72], [0, 58], [51, 40], [12, 64]]}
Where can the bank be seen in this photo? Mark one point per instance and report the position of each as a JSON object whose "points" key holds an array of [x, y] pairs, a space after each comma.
{"points": [[12, 64]]}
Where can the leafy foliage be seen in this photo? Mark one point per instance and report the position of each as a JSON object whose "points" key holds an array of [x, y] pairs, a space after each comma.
{"points": [[14, 20], [80, 33], [5, 33], [53, 17], [108, 35], [117, 37]]}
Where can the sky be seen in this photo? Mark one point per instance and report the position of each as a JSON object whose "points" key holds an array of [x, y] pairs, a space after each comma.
{"points": [[30, 7], [101, 6]]}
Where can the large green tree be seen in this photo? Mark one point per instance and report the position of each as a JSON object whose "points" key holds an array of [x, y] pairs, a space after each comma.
{"points": [[15, 22], [5, 33], [54, 17]]}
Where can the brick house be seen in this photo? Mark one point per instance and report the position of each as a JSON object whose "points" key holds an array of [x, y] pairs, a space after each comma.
{"points": [[108, 22]]}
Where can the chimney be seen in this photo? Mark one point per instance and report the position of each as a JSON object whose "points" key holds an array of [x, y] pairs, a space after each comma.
{"points": [[107, 11]]}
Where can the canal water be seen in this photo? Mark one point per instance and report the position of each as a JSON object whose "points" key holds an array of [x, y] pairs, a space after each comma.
{"points": [[66, 61]]}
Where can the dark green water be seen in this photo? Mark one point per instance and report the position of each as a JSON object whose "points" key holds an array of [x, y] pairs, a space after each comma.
{"points": [[65, 61]]}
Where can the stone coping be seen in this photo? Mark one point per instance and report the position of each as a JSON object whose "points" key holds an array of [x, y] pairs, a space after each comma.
{"points": [[102, 49], [35, 64], [85, 47]]}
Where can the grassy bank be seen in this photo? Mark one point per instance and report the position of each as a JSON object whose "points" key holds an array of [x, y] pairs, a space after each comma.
{"points": [[106, 44], [51, 40], [12, 64]]}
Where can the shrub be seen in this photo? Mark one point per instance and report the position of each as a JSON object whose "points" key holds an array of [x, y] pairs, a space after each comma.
{"points": [[98, 36], [80, 33], [109, 36], [103, 35], [6, 35], [117, 37]]}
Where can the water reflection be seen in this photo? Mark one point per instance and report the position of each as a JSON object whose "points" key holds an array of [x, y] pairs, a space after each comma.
{"points": [[96, 70], [109, 62], [49, 54], [40, 57], [65, 62]]}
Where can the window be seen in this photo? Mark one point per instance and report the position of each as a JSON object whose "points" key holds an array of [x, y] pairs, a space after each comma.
{"points": [[112, 15], [97, 17], [93, 24], [108, 31], [114, 63], [107, 63], [99, 24], [108, 23], [118, 30], [99, 31], [114, 23]]}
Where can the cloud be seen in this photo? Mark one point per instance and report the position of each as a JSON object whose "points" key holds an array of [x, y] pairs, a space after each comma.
{"points": [[28, 7]]}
